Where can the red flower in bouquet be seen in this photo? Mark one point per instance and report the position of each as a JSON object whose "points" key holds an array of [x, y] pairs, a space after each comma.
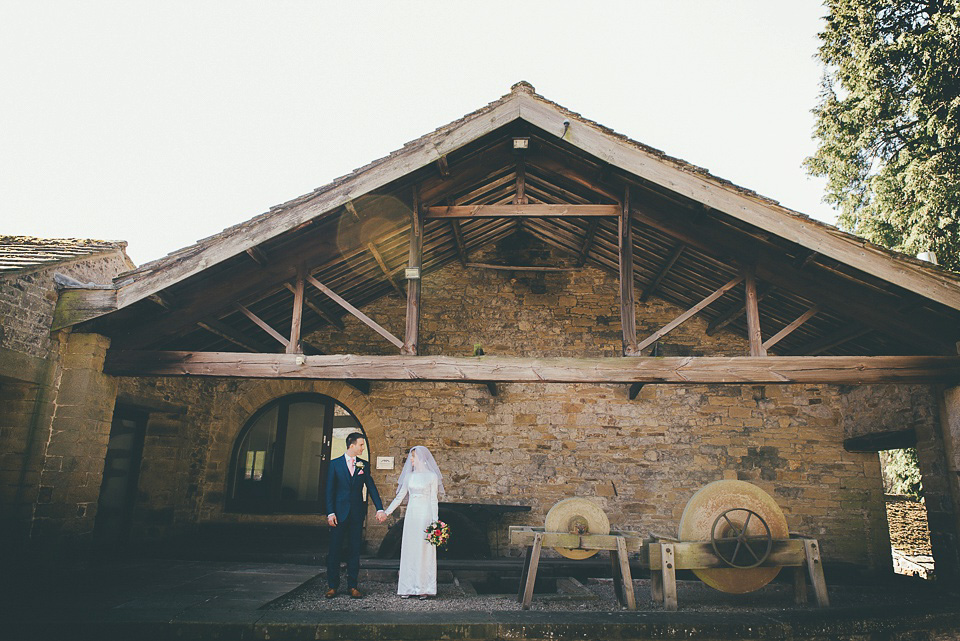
{"points": [[438, 534]]}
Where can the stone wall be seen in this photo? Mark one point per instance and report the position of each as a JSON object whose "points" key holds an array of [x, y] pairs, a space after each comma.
{"points": [[27, 299], [535, 444]]}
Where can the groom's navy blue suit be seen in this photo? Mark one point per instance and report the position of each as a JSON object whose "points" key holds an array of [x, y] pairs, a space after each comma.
{"points": [[345, 499]]}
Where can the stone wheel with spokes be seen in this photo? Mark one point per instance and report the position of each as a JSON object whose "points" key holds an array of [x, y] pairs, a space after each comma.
{"points": [[733, 543]]}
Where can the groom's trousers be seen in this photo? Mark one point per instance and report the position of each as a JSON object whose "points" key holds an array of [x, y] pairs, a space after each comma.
{"points": [[352, 530]]}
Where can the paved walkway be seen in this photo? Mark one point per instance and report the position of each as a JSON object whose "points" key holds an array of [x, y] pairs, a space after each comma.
{"points": [[146, 599]]}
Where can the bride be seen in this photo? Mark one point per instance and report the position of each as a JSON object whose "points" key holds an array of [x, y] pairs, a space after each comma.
{"points": [[421, 479]]}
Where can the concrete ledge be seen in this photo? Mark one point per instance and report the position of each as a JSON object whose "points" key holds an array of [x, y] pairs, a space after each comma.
{"points": [[850, 624], [22, 367]]}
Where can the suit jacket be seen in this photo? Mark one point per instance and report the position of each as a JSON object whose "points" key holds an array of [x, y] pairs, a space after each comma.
{"points": [[344, 493]]}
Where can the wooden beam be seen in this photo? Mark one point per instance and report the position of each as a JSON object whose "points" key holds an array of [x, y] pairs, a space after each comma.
{"points": [[664, 270], [259, 322], [366, 320], [754, 334], [786, 331], [521, 187], [458, 240], [522, 268], [387, 275], [411, 337], [319, 311], [296, 319], [690, 312], [352, 210], [830, 341], [513, 210], [443, 168], [877, 441], [258, 256], [587, 242], [733, 312], [161, 299], [628, 306], [505, 369], [859, 304]]}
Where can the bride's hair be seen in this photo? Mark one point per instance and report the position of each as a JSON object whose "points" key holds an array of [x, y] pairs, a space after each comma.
{"points": [[425, 462]]}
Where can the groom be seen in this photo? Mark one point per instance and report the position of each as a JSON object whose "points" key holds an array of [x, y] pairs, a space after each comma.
{"points": [[346, 478]]}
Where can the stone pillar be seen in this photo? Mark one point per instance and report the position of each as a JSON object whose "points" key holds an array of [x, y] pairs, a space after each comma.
{"points": [[943, 507], [74, 447]]}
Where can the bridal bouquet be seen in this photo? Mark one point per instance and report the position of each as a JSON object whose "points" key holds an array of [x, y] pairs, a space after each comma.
{"points": [[438, 534]]}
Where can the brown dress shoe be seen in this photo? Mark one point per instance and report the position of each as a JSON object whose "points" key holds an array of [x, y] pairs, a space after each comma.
{"points": [[332, 592], [355, 593]]}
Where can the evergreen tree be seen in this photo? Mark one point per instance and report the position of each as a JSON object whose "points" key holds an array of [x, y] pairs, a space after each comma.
{"points": [[888, 123]]}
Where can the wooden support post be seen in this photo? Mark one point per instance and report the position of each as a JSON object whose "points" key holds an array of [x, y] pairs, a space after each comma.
{"points": [[628, 320], [811, 549], [656, 584], [319, 311], [799, 585], [293, 347], [626, 577], [532, 571], [687, 314], [412, 333], [521, 197], [667, 266], [753, 313], [669, 571], [617, 576]]}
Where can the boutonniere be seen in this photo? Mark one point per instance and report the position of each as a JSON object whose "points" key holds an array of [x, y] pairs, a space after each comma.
{"points": [[359, 465]]}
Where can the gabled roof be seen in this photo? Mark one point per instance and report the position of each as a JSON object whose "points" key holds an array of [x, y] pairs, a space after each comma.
{"points": [[24, 253], [678, 208]]}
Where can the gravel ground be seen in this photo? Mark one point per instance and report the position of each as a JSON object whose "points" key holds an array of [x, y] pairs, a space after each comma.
{"points": [[692, 595]]}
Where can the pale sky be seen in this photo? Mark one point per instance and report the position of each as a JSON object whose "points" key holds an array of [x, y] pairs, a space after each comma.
{"points": [[160, 123]]}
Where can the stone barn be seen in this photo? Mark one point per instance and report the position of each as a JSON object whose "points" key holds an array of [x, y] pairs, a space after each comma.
{"points": [[554, 309]]}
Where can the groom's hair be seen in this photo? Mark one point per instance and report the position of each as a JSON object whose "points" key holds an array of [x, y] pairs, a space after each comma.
{"points": [[352, 437]]}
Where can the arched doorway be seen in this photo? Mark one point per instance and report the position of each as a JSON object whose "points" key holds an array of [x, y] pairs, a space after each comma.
{"points": [[281, 455]]}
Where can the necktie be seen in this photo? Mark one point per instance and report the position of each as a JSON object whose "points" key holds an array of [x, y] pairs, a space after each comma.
{"points": [[350, 465]]}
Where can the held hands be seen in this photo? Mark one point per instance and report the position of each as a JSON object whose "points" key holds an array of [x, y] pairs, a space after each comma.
{"points": [[381, 516]]}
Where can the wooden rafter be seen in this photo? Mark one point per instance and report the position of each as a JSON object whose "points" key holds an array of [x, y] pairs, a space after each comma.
{"points": [[366, 320], [517, 211], [754, 335], [262, 324], [505, 369], [161, 299], [830, 341], [458, 241], [649, 290], [676, 322], [226, 332], [442, 167], [258, 255], [387, 275], [352, 210], [587, 242], [410, 344], [628, 311], [786, 331]]}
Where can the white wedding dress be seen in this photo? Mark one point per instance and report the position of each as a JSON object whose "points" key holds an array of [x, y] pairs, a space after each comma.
{"points": [[418, 559]]}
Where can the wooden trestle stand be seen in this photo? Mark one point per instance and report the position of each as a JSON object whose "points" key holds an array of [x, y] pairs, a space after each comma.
{"points": [[665, 555], [619, 544]]}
